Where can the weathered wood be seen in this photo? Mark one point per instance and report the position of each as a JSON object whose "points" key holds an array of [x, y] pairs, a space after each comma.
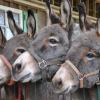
{"points": [[44, 91]]}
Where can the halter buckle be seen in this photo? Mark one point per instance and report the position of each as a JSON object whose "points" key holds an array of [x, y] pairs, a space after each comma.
{"points": [[42, 64]]}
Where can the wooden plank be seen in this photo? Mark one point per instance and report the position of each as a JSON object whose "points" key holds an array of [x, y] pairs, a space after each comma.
{"points": [[41, 6], [98, 1]]}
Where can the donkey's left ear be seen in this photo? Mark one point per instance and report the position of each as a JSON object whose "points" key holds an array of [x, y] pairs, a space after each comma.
{"points": [[15, 29], [31, 24], [66, 14], [98, 26]]}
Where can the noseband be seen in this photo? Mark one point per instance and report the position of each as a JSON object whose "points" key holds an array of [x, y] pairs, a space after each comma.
{"points": [[81, 76], [43, 64]]}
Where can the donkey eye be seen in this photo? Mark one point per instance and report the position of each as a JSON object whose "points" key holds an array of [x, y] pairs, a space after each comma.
{"points": [[53, 41], [90, 56], [18, 67]]}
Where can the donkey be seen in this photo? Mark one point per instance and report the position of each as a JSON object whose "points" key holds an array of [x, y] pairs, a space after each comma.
{"points": [[81, 70], [48, 40], [5, 69]]}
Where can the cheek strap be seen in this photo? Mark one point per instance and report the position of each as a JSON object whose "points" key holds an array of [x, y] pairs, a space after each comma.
{"points": [[79, 74]]}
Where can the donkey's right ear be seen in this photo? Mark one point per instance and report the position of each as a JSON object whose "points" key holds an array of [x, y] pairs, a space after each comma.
{"points": [[85, 24], [82, 16], [31, 24], [15, 29], [2, 38], [98, 26]]}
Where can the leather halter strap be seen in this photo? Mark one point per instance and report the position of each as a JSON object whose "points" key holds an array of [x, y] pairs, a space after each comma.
{"points": [[45, 63], [7, 63], [5, 60], [80, 75]]}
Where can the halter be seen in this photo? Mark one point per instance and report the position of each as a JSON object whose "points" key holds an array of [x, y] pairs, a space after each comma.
{"points": [[80, 75], [43, 64]]}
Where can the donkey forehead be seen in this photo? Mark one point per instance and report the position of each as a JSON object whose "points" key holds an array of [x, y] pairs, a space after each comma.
{"points": [[53, 30], [90, 40]]}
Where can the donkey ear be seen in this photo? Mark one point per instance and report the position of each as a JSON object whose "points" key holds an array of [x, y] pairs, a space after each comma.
{"points": [[31, 24], [82, 15], [19, 50], [52, 17], [98, 26], [66, 13], [15, 29], [2, 38], [85, 24]]}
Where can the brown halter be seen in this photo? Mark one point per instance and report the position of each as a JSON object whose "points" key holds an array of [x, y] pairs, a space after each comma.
{"points": [[80, 75], [7, 63]]}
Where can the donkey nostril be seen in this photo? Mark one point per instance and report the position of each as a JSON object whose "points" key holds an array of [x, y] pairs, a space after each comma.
{"points": [[17, 67], [74, 86], [58, 84]]}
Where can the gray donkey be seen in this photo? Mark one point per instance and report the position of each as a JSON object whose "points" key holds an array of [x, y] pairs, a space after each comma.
{"points": [[49, 46], [82, 67]]}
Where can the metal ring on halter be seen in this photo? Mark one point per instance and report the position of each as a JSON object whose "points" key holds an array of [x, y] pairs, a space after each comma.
{"points": [[42, 64]]}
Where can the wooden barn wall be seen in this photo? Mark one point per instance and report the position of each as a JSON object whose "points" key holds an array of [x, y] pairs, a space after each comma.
{"points": [[12, 5], [41, 19], [39, 14]]}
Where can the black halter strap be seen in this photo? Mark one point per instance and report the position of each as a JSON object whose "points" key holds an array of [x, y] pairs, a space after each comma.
{"points": [[45, 63]]}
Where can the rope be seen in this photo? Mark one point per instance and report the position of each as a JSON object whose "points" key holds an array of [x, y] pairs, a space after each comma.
{"points": [[19, 91], [27, 91]]}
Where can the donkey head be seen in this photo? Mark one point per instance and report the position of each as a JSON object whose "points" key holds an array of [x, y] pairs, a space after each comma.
{"points": [[50, 45], [15, 47], [83, 68], [25, 67], [4, 70]]}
